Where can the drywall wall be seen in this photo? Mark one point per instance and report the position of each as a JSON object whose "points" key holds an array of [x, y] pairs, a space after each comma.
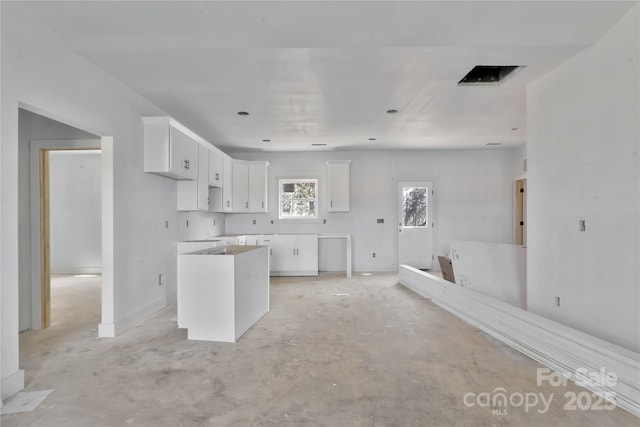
{"points": [[33, 127], [41, 74], [473, 200], [200, 225], [497, 270], [519, 162], [583, 145], [75, 211]]}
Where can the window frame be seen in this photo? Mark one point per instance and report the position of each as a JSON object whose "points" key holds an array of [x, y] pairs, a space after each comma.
{"points": [[316, 200]]}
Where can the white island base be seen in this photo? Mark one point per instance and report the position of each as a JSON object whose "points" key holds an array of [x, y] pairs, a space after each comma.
{"points": [[222, 291]]}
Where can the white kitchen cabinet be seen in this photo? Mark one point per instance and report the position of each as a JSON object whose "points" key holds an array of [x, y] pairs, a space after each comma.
{"points": [[249, 186], [294, 255], [339, 177], [169, 150], [240, 195], [258, 186], [222, 291], [222, 198], [194, 195], [216, 169]]}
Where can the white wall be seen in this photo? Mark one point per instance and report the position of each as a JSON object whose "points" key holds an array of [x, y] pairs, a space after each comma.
{"points": [[41, 73], [497, 270], [75, 211], [200, 225], [473, 199], [583, 161]]}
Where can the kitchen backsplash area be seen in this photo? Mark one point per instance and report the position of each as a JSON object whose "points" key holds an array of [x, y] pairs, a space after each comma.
{"points": [[197, 225]]}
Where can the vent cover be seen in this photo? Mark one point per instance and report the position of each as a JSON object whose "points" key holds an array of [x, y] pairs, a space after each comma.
{"points": [[488, 74]]}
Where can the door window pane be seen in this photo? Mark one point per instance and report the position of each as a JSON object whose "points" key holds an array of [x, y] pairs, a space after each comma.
{"points": [[415, 208]]}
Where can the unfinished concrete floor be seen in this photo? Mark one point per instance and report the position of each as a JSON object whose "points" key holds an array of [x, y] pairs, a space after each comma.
{"points": [[331, 352]]}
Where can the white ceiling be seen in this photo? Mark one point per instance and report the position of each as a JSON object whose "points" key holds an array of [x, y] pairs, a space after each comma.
{"points": [[326, 72]]}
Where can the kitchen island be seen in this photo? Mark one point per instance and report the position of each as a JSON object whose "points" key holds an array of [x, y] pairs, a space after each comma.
{"points": [[222, 291]]}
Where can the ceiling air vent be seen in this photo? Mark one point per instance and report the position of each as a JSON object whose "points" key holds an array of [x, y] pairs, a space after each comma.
{"points": [[487, 74]]}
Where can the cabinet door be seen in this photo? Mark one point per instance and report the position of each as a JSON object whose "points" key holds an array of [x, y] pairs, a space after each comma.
{"points": [[265, 240], [227, 189], [216, 167], [194, 195], [307, 254], [203, 178], [258, 186], [240, 184], [339, 177], [190, 156], [283, 250], [176, 160]]}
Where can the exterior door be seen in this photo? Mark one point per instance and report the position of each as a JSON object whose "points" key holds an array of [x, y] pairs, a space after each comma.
{"points": [[415, 224]]}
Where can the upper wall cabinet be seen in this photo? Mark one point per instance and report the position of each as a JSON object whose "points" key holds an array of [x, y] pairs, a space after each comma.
{"points": [[249, 186], [339, 177], [222, 197], [194, 195], [258, 186], [216, 169], [240, 186], [169, 150]]}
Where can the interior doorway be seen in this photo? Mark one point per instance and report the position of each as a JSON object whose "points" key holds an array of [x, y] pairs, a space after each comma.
{"points": [[415, 224], [74, 240], [520, 218], [70, 227]]}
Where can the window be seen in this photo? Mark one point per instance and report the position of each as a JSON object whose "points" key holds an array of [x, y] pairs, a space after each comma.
{"points": [[298, 198], [414, 211]]}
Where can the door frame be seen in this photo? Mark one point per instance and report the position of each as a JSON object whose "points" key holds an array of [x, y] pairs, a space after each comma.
{"points": [[434, 218], [520, 212], [40, 266]]}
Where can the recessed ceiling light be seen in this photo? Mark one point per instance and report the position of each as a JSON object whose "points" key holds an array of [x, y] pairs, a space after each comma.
{"points": [[266, 140], [392, 111], [318, 145], [494, 143], [243, 113], [372, 139]]}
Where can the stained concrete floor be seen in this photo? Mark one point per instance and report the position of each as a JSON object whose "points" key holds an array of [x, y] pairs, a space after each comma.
{"points": [[379, 356]]}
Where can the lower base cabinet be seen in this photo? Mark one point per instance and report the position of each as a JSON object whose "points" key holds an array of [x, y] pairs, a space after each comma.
{"points": [[222, 292], [290, 254]]}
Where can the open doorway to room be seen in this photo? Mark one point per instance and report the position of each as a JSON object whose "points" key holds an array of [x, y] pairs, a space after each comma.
{"points": [[66, 232], [71, 214]]}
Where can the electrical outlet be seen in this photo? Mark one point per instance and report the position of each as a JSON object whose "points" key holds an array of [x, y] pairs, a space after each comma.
{"points": [[166, 224], [271, 221], [254, 222], [582, 225], [557, 301], [373, 255], [324, 221], [380, 221], [161, 279], [187, 223]]}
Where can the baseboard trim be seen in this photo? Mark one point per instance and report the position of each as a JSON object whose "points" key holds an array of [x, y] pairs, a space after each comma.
{"points": [[12, 384], [110, 330], [562, 349]]}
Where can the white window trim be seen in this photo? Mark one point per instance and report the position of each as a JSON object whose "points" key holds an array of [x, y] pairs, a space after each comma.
{"points": [[298, 218]]}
